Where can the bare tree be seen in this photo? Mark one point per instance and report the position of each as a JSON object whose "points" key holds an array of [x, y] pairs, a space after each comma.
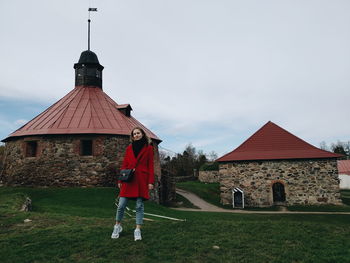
{"points": [[212, 156], [339, 147], [186, 163], [163, 157]]}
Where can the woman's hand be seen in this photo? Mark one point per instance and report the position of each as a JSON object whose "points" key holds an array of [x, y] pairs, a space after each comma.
{"points": [[119, 185], [150, 186]]}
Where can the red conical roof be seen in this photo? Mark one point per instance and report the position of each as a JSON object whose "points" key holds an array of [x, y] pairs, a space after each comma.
{"points": [[84, 110], [272, 142]]}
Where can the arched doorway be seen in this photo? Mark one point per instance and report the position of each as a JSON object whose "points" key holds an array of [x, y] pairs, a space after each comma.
{"points": [[279, 195], [238, 198]]}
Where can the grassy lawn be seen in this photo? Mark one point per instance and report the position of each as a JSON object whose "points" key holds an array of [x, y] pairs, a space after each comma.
{"points": [[184, 202], [210, 192], [74, 225], [345, 196]]}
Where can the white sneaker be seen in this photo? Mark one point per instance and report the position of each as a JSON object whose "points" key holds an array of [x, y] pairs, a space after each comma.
{"points": [[116, 231], [137, 234]]}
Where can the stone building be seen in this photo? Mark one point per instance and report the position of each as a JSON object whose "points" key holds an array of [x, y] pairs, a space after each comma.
{"points": [[274, 167], [78, 141], [344, 174]]}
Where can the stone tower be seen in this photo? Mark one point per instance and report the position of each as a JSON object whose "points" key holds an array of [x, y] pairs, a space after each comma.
{"points": [[78, 141]]}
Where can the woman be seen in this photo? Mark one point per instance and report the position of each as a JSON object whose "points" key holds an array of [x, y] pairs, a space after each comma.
{"points": [[138, 156]]}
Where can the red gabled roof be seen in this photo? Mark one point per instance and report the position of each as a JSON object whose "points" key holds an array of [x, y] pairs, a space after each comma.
{"points": [[272, 142], [84, 110], [344, 167]]}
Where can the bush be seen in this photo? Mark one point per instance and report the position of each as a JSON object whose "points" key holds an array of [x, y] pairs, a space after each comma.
{"points": [[214, 166]]}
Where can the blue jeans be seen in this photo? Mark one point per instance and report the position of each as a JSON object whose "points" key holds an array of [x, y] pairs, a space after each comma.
{"points": [[123, 201]]}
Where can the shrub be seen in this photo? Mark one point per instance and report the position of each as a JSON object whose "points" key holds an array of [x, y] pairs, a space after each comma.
{"points": [[214, 166]]}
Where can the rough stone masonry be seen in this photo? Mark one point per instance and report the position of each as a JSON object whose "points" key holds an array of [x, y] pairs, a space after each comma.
{"points": [[306, 182], [58, 161]]}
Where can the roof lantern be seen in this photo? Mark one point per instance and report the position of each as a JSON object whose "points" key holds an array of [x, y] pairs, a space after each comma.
{"points": [[88, 70]]}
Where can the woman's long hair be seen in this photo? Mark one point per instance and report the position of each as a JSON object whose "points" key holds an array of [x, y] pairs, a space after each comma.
{"points": [[143, 135]]}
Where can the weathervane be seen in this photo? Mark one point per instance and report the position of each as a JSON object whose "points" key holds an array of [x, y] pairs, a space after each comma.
{"points": [[89, 20]]}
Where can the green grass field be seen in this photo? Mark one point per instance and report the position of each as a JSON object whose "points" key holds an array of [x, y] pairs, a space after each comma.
{"points": [[75, 224]]}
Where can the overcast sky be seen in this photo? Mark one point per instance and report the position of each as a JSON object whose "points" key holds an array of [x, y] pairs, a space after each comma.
{"points": [[209, 73]]}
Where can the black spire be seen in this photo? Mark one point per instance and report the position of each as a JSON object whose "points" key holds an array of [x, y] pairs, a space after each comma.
{"points": [[88, 70], [89, 20]]}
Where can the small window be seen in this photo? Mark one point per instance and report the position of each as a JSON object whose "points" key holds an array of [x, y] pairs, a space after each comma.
{"points": [[80, 72], [86, 147], [98, 74], [31, 149]]}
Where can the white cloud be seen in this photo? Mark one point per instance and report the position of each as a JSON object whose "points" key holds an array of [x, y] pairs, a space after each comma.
{"points": [[193, 70]]}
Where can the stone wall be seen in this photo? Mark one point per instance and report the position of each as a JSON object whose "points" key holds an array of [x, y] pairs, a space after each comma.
{"points": [[306, 182], [208, 176], [58, 161], [168, 188]]}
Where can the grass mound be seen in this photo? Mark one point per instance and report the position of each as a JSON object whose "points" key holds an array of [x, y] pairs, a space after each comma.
{"points": [[12, 202]]}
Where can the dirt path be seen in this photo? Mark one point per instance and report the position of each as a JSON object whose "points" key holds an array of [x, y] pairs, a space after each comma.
{"points": [[206, 207], [197, 201]]}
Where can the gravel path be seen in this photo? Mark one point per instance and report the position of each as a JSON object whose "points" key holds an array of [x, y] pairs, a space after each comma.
{"points": [[206, 207], [197, 201]]}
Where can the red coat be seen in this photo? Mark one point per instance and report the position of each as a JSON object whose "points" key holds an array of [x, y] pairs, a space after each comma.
{"points": [[144, 172]]}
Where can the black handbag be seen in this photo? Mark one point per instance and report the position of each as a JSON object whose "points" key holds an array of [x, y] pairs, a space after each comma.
{"points": [[126, 175]]}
